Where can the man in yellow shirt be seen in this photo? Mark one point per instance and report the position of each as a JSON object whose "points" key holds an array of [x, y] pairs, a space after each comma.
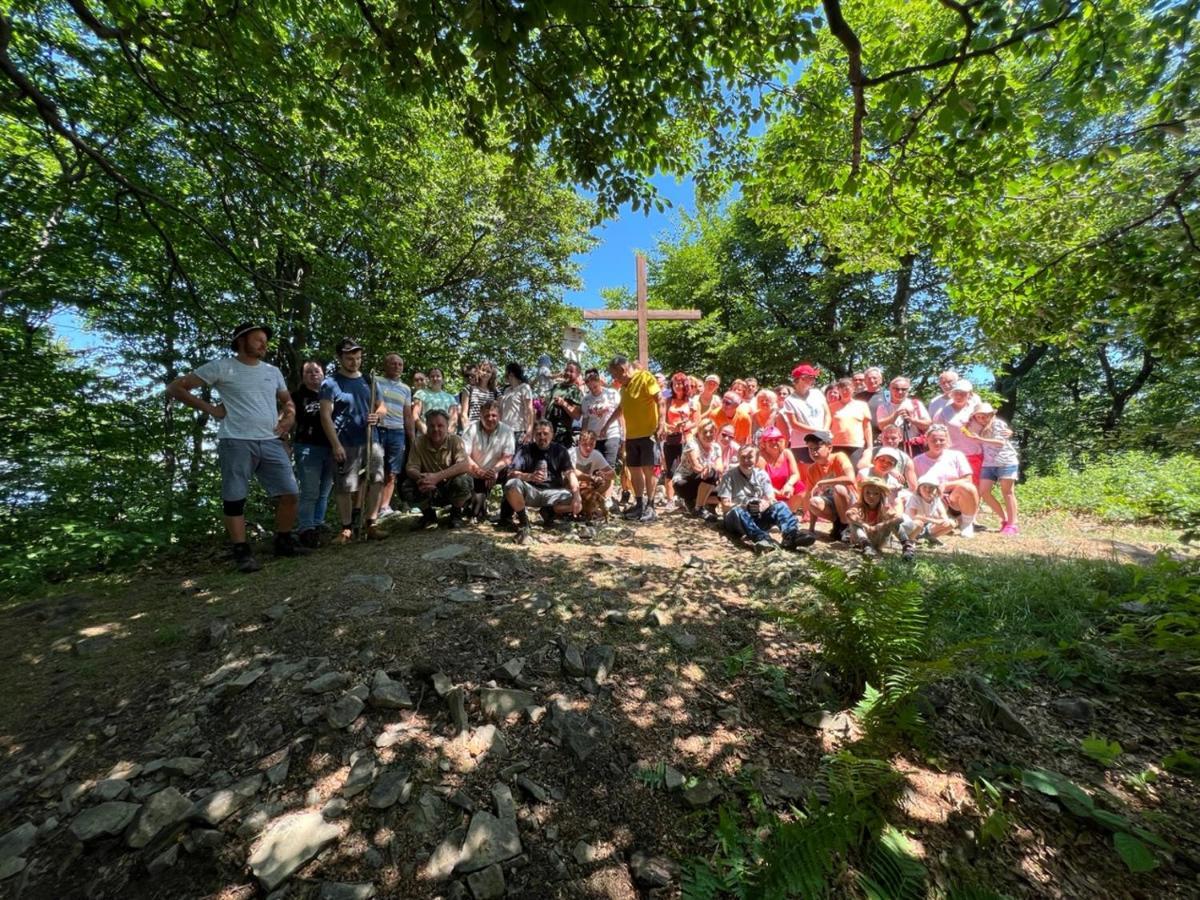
{"points": [[640, 406]]}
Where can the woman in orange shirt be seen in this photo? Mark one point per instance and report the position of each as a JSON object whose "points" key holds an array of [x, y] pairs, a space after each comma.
{"points": [[731, 413], [682, 417], [850, 420]]}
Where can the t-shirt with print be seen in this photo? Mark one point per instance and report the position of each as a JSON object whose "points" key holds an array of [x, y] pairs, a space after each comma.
{"points": [[999, 456], [556, 458], [639, 403], [710, 460], [351, 398], [950, 466], [810, 410], [308, 417], [431, 400], [591, 464], [476, 397], [596, 410], [397, 395], [918, 506], [249, 395], [886, 407], [562, 419]]}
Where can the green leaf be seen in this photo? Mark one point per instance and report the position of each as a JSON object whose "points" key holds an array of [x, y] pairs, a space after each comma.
{"points": [[1136, 856], [1102, 751]]}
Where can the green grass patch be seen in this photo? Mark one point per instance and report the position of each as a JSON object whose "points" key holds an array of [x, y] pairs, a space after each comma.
{"points": [[1130, 486]]}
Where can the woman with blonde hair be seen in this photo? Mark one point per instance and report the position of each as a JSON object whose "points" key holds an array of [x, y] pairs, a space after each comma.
{"points": [[780, 465]]}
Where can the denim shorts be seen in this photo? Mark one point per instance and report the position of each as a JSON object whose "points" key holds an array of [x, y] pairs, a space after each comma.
{"points": [[394, 443], [995, 473], [265, 460]]}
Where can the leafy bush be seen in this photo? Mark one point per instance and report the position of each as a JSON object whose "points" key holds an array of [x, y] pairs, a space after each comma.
{"points": [[1129, 486]]}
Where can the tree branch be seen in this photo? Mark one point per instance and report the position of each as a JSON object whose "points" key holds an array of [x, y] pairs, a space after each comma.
{"points": [[840, 28]]}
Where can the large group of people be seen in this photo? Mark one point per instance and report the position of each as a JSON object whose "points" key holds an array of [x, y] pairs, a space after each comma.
{"points": [[851, 460]]}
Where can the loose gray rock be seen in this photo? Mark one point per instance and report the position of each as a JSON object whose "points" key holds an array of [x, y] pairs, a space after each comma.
{"points": [[533, 789], [334, 809], [615, 617], [289, 843], [658, 618], [106, 820], [673, 779], [427, 814], [584, 853], [1078, 709], [487, 741], [837, 724], [510, 671], [203, 841], [275, 613], [162, 814], [183, 766], [456, 702], [217, 633], [442, 685], [995, 711], [684, 640], [343, 712], [598, 662], [779, 786], [92, 646], [278, 773], [465, 595], [702, 793], [390, 789], [487, 884], [445, 856], [365, 610], [381, 584], [652, 871], [220, 805], [506, 807], [362, 773], [237, 685], [329, 681], [258, 818], [332, 890], [163, 861], [500, 703], [388, 694], [572, 660], [489, 840], [17, 841], [11, 865], [447, 551]]}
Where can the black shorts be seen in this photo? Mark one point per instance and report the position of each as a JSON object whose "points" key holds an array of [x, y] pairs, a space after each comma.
{"points": [[639, 452]]}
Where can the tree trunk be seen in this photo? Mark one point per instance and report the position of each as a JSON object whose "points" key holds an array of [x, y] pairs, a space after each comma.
{"points": [[1119, 396], [900, 300], [1008, 381]]}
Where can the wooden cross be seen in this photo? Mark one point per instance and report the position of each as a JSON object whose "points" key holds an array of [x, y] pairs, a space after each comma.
{"points": [[642, 314]]}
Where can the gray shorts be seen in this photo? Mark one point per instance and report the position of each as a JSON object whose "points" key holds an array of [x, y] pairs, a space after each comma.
{"points": [[346, 476], [536, 497], [265, 460]]}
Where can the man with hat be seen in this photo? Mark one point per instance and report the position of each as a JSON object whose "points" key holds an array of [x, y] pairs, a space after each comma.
{"points": [[347, 414], [805, 410], [255, 411]]}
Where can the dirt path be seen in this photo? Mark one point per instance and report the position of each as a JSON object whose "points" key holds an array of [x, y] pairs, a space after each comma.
{"points": [[321, 701]]}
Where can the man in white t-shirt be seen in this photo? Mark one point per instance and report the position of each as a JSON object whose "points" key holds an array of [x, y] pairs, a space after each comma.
{"points": [[490, 445], [595, 472], [953, 474], [255, 411], [599, 401], [946, 382], [805, 411]]}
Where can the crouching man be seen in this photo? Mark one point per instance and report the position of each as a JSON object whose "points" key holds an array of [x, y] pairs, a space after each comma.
{"points": [[750, 508], [542, 478], [437, 472]]}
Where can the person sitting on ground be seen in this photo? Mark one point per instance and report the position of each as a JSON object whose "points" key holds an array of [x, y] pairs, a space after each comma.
{"points": [[891, 436], [831, 484], [516, 403], [766, 413], [956, 415], [874, 519], [541, 477], [732, 413], [749, 507], [710, 397], [953, 474], [925, 514], [490, 445], [438, 472], [699, 470], [594, 472], [804, 411], [780, 465], [255, 410], [900, 408], [347, 417], [1000, 463], [850, 420]]}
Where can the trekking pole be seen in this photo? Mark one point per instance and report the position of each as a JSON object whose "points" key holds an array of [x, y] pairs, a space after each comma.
{"points": [[364, 488]]}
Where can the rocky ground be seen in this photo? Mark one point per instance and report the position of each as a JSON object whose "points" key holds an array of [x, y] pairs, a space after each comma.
{"points": [[449, 714]]}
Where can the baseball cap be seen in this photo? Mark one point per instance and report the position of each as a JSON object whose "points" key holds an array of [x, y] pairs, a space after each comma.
{"points": [[888, 453], [716, 378], [963, 385], [804, 369], [347, 345], [731, 397], [246, 328], [929, 478], [820, 437]]}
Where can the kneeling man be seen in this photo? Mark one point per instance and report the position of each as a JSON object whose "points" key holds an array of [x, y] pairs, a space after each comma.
{"points": [[437, 472]]}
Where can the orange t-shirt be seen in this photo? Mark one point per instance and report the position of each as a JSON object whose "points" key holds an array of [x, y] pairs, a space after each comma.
{"points": [[847, 424], [739, 420], [837, 466]]}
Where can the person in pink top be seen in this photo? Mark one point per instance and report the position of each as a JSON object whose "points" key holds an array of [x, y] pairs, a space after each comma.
{"points": [[953, 474], [956, 416], [682, 415], [780, 465]]}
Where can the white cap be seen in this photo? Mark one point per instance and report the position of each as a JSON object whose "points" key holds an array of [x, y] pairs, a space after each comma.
{"points": [[963, 385]]}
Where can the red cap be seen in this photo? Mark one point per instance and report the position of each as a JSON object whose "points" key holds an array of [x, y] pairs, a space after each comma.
{"points": [[805, 369]]}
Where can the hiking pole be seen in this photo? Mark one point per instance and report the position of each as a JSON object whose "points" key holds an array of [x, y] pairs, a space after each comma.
{"points": [[364, 488]]}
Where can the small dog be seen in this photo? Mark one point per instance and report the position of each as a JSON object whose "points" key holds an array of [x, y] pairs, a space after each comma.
{"points": [[591, 493]]}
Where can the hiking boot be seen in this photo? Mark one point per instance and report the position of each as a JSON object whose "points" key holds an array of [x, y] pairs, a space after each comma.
{"points": [[375, 533], [766, 545], [286, 544], [243, 559], [525, 535], [635, 511], [794, 540], [908, 551], [345, 536], [310, 538], [838, 533], [547, 514], [429, 518], [648, 514]]}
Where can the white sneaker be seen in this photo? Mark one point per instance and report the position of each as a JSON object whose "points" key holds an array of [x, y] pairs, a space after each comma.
{"points": [[967, 531]]}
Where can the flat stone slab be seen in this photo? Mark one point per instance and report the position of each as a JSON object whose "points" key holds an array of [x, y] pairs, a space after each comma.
{"points": [[362, 773], [342, 713], [380, 583], [326, 682], [289, 843], [489, 841], [332, 890], [220, 805], [446, 551], [390, 789], [499, 703], [106, 820], [17, 841], [487, 884], [162, 814], [388, 694]]}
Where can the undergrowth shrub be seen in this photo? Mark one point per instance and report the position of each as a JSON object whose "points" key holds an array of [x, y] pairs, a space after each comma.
{"points": [[1128, 486]]}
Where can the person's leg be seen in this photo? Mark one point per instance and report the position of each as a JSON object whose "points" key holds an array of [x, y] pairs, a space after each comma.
{"points": [[234, 460], [985, 493], [704, 491], [671, 455], [308, 477], [752, 526], [458, 492], [376, 467], [965, 498], [819, 508], [1008, 490], [326, 486], [843, 499]]}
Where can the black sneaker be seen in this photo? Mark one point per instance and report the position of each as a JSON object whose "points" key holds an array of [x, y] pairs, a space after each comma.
{"points": [[635, 511], [547, 514], [286, 544], [243, 559], [429, 518]]}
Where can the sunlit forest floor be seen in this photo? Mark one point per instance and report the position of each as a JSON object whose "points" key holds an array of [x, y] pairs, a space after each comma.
{"points": [[108, 677]]}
